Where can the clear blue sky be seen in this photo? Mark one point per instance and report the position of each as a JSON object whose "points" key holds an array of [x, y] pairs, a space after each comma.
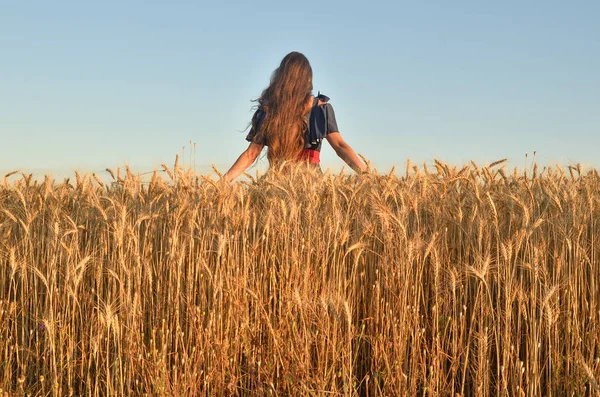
{"points": [[90, 85]]}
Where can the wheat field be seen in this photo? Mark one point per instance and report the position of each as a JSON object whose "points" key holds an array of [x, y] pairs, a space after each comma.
{"points": [[475, 281]]}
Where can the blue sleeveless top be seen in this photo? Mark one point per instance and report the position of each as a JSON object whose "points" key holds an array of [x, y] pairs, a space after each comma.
{"points": [[321, 122]]}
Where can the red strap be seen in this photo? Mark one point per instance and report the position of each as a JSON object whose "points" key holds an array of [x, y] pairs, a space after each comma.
{"points": [[311, 156]]}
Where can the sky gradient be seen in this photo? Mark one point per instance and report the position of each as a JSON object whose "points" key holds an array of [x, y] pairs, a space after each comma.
{"points": [[90, 85]]}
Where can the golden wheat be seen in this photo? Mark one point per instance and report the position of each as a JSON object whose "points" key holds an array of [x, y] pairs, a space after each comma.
{"points": [[457, 283]]}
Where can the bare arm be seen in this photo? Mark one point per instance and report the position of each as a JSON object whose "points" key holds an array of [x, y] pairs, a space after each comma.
{"points": [[245, 160], [345, 152]]}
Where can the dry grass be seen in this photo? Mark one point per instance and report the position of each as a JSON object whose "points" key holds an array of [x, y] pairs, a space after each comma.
{"points": [[456, 282]]}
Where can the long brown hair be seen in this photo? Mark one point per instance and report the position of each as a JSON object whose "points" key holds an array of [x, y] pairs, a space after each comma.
{"points": [[286, 103]]}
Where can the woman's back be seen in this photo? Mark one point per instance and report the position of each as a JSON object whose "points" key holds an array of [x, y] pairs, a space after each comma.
{"points": [[320, 122]]}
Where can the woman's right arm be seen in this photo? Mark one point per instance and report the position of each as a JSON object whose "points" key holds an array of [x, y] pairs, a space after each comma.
{"points": [[245, 160], [345, 151]]}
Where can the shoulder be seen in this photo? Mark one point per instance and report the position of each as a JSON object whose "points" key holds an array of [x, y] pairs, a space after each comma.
{"points": [[258, 117], [322, 100], [259, 113], [322, 105]]}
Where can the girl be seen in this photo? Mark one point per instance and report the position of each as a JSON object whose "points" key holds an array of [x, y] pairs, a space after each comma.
{"points": [[292, 123]]}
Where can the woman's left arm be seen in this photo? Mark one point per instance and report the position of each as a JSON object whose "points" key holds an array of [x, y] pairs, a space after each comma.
{"points": [[245, 160], [345, 151]]}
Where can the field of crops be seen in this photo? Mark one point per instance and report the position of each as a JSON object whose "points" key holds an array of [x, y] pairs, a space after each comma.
{"points": [[454, 282]]}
